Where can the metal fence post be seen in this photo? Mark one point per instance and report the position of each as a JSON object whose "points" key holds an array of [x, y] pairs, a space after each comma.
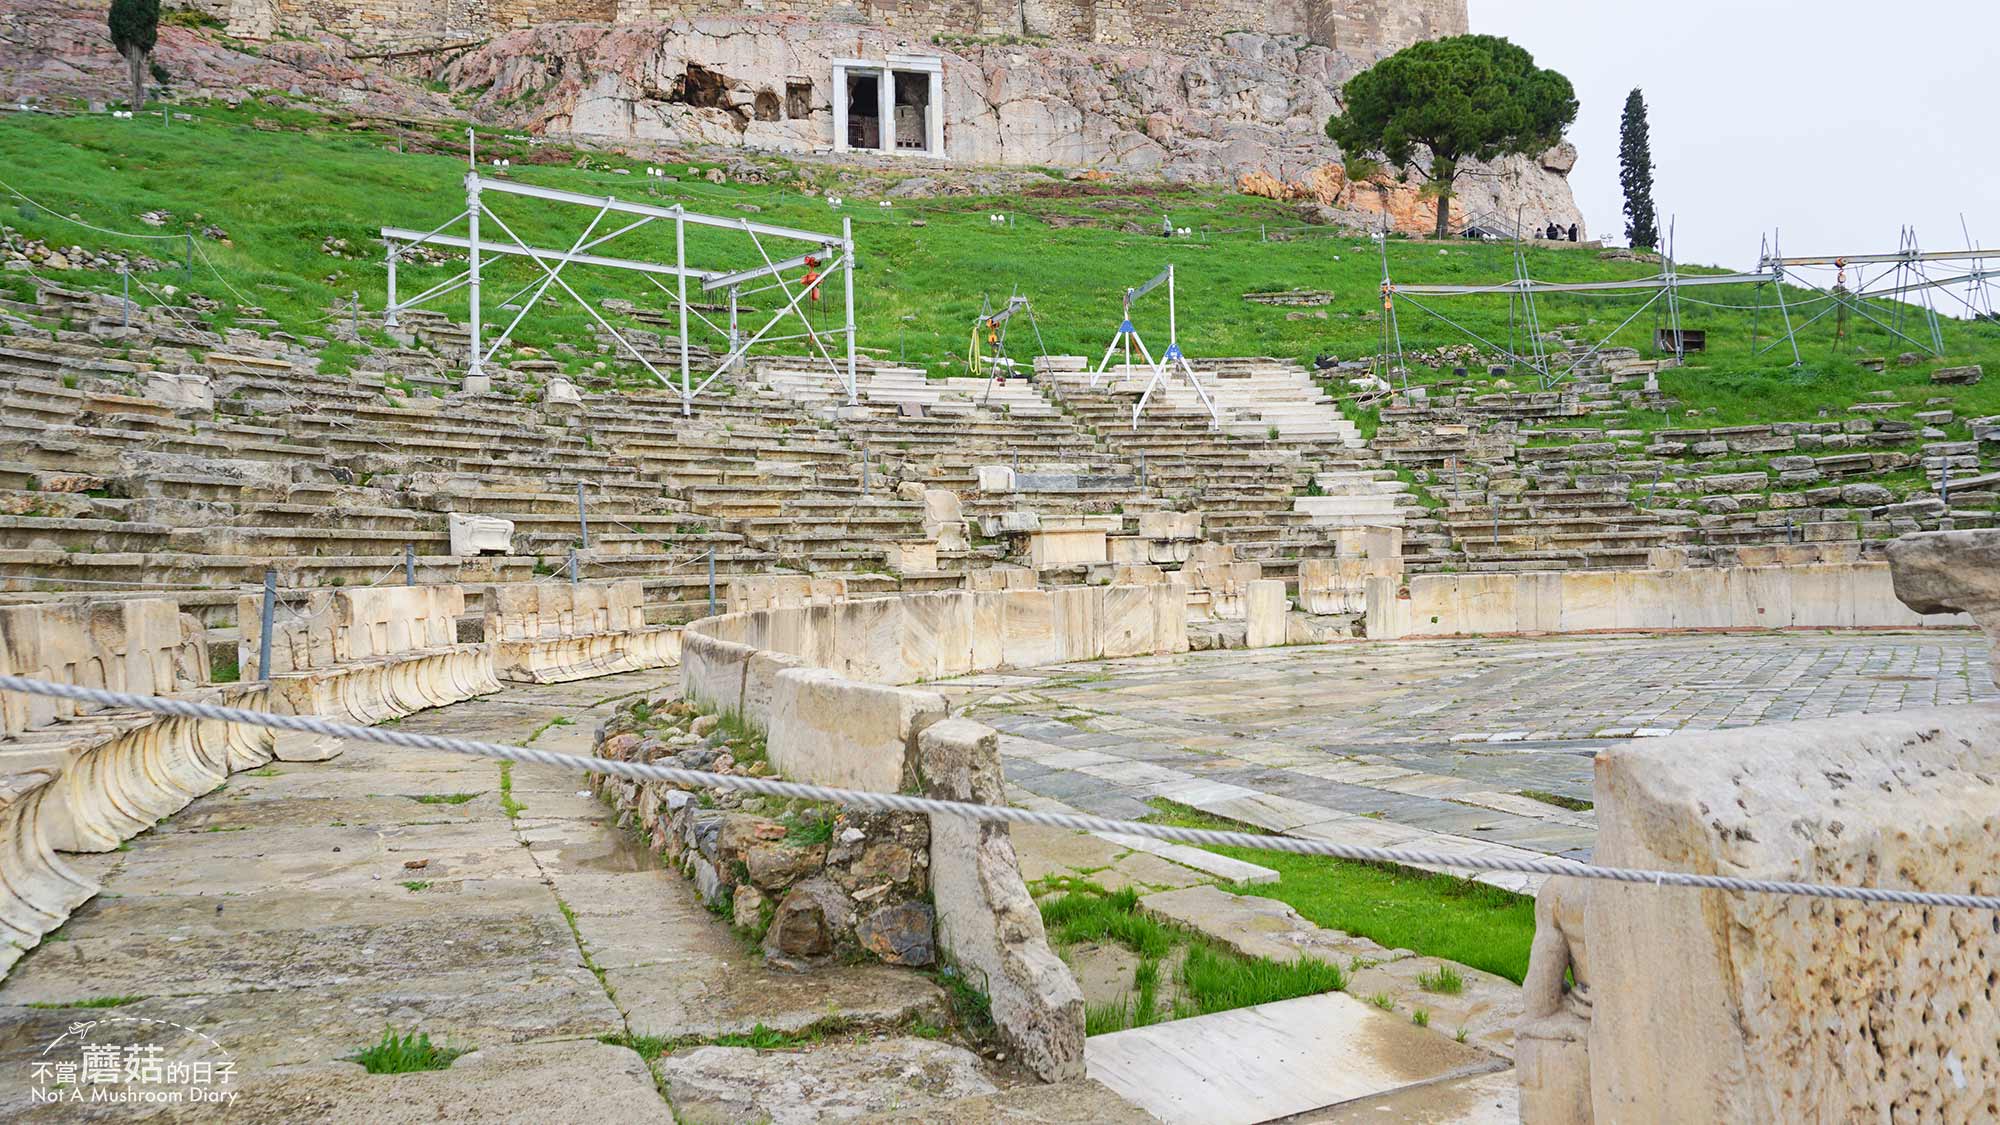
{"points": [[864, 463], [125, 309], [409, 564], [572, 567], [188, 266], [711, 581], [356, 313], [582, 523], [270, 614], [1944, 485]]}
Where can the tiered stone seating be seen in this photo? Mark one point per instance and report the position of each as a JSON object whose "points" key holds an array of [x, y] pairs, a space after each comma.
{"points": [[553, 632], [365, 656], [83, 779]]}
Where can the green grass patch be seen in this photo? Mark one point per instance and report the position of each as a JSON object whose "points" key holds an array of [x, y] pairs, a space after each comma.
{"points": [[558, 721], [92, 1002], [1573, 804], [415, 885], [1445, 980], [442, 798], [1219, 981], [404, 1054], [1209, 978], [282, 179], [1433, 915]]}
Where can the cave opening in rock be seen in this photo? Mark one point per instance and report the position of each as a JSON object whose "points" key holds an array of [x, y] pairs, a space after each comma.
{"points": [[701, 87]]}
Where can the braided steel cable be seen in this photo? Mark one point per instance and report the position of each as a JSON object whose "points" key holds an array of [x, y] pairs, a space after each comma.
{"points": [[898, 802]]}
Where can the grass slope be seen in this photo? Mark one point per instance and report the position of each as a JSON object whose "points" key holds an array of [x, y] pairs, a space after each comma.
{"points": [[281, 182]]}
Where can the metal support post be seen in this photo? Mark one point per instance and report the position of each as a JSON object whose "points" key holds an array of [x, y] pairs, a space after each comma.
{"points": [[572, 566], [269, 616], [187, 267], [711, 581], [472, 209], [733, 334], [847, 271], [356, 311], [864, 462], [1944, 485], [582, 523], [409, 564], [680, 264], [125, 307], [389, 310]]}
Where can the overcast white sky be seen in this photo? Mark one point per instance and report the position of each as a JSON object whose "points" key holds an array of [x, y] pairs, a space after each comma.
{"points": [[1839, 120]]}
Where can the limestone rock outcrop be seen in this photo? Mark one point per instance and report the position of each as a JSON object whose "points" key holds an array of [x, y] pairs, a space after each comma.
{"points": [[1250, 104]]}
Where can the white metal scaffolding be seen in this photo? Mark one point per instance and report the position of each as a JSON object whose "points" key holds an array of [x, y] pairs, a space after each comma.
{"points": [[829, 253], [1172, 361]]}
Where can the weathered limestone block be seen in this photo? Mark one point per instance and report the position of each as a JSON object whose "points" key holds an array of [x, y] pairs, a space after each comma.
{"points": [[1170, 525], [548, 633], [1070, 546], [562, 392], [480, 535], [862, 640], [1225, 582], [712, 672], [1714, 1007], [1128, 550], [987, 924], [937, 635], [995, 478], [783, 591], [1951, 572], [1130, 621], [1028, 629], [1000, 578], [911, 556], [830, 730], [1266, 610]]}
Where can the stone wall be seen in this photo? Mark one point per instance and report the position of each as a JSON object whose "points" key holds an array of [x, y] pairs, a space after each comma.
{"points": [[1849, 596], [824, 681]]}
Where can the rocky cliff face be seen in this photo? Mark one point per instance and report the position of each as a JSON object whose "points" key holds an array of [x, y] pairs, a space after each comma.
{"points": [[1254, 105], [59, 50]]}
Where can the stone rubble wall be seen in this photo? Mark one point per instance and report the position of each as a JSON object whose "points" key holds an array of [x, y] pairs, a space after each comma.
{"points": [[1858, 595], [823, 680], [1706, 1006]]}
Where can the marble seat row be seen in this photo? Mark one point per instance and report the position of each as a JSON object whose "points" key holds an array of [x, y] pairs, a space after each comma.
{"points": [[554, 632], [75, 778]]}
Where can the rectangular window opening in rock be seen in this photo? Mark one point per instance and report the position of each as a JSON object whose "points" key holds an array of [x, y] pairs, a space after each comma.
{"points": [[913, 108], [864, 119], [798, 98]]}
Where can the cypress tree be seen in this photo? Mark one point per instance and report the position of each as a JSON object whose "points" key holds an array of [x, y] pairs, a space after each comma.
{"points": [[135, 28], [1635, 172]]}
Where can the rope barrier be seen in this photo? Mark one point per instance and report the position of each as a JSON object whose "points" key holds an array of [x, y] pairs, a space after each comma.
{"points": [[898, 802]]}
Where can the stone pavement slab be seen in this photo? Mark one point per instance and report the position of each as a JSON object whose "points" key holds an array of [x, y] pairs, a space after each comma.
{"points": [[1273, 1060]]}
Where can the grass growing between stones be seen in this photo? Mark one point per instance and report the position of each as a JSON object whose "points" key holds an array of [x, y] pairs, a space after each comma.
{"points": [[404, 1054], [1433, 915], [92, 1002], [1573, 804], [1179, 974]]}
